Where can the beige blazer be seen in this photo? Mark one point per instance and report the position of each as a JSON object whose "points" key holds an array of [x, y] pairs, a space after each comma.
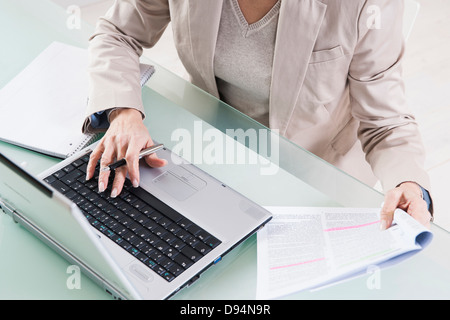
{"points": [[336, 75]]}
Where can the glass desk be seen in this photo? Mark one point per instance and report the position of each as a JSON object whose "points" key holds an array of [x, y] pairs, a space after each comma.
{"points": [[31, 270]]}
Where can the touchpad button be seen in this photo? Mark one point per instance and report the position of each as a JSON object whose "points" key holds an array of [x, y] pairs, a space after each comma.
{"points": [[179, 186]]}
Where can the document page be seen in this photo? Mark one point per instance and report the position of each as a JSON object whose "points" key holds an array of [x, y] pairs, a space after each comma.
{"points": [[303, 248]]}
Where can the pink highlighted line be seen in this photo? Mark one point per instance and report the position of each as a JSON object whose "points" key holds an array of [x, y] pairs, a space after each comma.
{"points": [[352, 227], [297, 264]]}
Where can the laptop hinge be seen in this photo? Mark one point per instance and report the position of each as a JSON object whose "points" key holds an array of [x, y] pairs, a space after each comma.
{"points": [[7, 209]]}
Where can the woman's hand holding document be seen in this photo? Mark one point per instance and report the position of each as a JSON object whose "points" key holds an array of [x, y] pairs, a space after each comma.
{"points": [[304, 248]]}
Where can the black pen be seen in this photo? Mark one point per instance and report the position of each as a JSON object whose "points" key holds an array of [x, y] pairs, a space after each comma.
{"points": [[142, 154]]}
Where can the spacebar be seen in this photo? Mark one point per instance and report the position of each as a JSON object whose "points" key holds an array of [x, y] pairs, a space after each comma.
{"points": [[156, 203]]}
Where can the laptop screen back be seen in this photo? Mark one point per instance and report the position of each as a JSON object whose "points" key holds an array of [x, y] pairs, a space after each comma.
{"points": [[50, 214]]}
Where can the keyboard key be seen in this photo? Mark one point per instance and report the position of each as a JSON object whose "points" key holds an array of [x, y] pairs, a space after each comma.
{"points": [[138, 204], [152, 239], [50, 179], [59, 174], [91, 184], [191, 253], [168, 276], [155, 215], [178, 244], [84, 191], [213, 242], [203, 235], [146, 210], [68, 168], [134, 227], [152, 263], [78, 162], [191, 240], [164, 222], [182, 234], [150, 225], [60, 186], [169, 237], [194, 229], [159, 231], [79, 200], [142, 257], [183, 261], [175, 269], [71, 194], [162, 246], [83, 168], [130, 199], [156, 203], [120, 229], [92, 196], [144, 233], [202, 247], [173, 228], [141, 219], [170, 252], [184, 223], [126, 221], [76, 186], [156, 255], [133, 250], [101, 203]]}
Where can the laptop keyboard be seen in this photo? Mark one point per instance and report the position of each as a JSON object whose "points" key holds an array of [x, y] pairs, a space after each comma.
{"points": [[147, 228]]}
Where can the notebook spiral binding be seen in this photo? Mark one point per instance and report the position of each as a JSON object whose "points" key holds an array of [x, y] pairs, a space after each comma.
{"points": [[90, 138]]}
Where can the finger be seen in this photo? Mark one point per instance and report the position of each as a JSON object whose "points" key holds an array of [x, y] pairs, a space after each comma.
{"points": [[132, 157], [107, 158], [95, 156], [418, 209], [121, 172], [119, 180], [152, 159], [391, 202]]}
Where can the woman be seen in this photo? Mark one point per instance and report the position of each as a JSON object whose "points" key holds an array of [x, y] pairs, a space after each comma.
{"points": [[326, 74]]}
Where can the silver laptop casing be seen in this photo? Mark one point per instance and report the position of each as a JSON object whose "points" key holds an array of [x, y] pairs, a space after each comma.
{"points": [[215, 207], [59, 223]]}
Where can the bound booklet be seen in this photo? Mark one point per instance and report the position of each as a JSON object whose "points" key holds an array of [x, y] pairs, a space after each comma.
{"points": [[43, 107], [309, 248]]}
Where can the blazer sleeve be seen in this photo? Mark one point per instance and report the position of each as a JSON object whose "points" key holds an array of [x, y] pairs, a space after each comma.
{"points": [[114, 51], [388, 131]]}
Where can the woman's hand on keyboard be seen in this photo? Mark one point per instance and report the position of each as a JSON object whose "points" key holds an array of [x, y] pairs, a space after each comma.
{"points": [[125, 138]]}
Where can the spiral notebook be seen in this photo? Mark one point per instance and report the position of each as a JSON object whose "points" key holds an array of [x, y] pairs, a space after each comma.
{"points": [[43, 107]]}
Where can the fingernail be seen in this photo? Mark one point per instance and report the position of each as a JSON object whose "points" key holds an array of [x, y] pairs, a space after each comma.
{"points": [[101, 187], [135, 183], [383, 225], [87, 177], [114, 193]]}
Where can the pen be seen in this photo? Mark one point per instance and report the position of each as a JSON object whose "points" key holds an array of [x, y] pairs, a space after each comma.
{"points": [[142, 154]]}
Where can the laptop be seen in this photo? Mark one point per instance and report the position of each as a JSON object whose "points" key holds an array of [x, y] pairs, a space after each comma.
{"points": [[147, 243]]}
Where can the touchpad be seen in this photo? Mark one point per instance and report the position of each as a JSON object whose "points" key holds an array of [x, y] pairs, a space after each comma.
{"points": [[179, 183]]}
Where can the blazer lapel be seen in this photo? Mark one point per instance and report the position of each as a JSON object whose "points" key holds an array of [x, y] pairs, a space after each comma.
{"points": [[298, 26], [204, 21]]}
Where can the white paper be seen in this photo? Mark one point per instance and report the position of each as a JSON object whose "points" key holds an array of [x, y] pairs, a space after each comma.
{"points": [[303, 248], [43, 107]]}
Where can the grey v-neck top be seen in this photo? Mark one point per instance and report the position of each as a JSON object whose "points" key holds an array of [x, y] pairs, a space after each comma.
{"points": [[243, 60]]}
